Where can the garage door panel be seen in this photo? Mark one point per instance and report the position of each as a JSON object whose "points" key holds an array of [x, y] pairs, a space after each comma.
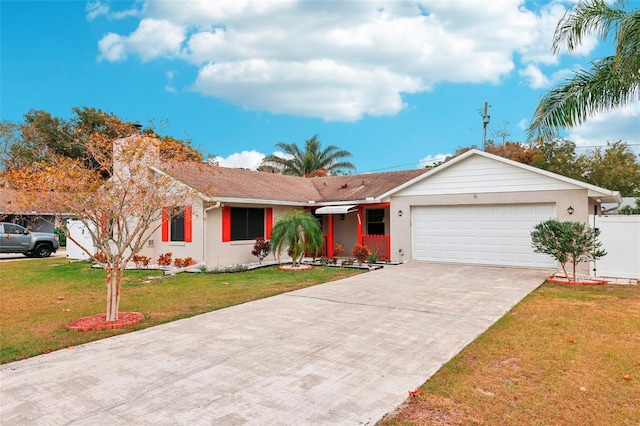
{"points": [[491, 234]]}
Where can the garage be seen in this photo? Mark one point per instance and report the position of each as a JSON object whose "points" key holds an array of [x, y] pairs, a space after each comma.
{"points": [[496, 234]]}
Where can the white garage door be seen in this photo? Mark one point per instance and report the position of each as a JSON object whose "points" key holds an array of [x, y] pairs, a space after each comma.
{"points": [[488, 235]]}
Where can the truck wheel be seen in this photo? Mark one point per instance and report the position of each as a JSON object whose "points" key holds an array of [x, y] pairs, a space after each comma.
{"points": [[42, 250]]}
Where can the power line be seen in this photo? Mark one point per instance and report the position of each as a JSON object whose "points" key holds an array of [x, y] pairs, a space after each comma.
{"points": [[436, 160]]}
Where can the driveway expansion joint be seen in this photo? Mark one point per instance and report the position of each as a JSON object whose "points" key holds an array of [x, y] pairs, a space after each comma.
{"points": [[391, 307]]}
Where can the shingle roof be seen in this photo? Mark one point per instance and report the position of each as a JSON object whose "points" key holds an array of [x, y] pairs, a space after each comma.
{"points": [[222, 182], [13, 202], [360, 187]]}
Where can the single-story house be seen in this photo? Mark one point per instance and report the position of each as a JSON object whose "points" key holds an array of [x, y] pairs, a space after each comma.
{"points": [[477, 208], [34, 214]]}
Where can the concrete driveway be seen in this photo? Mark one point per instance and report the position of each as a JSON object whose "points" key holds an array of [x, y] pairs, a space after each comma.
{"points": [[345, 352]]}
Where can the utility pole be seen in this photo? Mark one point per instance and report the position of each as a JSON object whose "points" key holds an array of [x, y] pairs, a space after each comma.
{"points": [[485, 122]]}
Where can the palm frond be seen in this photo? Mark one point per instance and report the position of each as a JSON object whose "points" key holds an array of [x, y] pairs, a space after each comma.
{"points": [[587, 93]]}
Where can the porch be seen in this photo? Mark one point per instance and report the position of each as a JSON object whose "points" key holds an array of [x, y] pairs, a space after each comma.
{"points": [[347, 225]]}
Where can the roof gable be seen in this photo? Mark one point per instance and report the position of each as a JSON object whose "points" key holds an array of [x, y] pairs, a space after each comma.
{"points": [[478, 171]]}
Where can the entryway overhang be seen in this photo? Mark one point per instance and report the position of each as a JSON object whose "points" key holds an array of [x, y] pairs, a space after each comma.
{"points": [[336, 209]]}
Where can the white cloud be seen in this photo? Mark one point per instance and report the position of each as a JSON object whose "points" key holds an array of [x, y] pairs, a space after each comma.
{"points": [[619, 124], [154, 38], [524, 123], [318, 84], [430, 160], [245, 159], [98, 8], [339, 60], [170, 89], [95, 9], [112, 48], [536, 79]]}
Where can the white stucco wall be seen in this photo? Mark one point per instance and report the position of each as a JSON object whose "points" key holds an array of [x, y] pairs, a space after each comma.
{"points": [[223, 254]]}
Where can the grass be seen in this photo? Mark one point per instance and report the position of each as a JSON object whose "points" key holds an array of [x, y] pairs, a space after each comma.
{"points": [[38, 297], [558, 358]]}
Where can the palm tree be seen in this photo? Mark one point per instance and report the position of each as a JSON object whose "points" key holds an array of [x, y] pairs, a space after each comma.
{"points": [[299, 232], [612, 81], [311, 162]]}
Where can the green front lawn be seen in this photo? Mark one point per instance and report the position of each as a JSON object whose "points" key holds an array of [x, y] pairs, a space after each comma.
{"points": [[38, 297]]}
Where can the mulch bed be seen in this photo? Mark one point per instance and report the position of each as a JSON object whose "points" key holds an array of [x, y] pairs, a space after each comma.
{"points": [[580, 280], [99, 322], [297, 268]]}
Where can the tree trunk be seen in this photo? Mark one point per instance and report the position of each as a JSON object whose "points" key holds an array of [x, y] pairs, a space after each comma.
{"points": [[564, 269], [114, 277]]}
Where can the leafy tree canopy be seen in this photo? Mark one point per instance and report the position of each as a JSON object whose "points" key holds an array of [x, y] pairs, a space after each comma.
{"points": [[43, 139]]}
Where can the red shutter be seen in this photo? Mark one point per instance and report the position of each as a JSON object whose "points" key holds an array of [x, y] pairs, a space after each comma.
{"points": [[165, 224], [226, 224], [188, 224], [269, 220]]}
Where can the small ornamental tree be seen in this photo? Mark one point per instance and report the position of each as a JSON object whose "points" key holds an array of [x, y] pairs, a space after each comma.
{"points": [[261, 249], [121, 210], [299, 232], [567, 242]]}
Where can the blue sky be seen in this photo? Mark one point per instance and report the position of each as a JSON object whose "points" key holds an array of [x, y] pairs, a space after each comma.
{"points": [[395, 83]]}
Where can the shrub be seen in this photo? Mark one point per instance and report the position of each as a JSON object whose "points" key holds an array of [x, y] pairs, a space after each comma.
{"points": [[261, 249], [338, 250], [572, 242], [165, 259], [183, 263], [140, 260], [62, 237], [373, 258], [361, 253]]}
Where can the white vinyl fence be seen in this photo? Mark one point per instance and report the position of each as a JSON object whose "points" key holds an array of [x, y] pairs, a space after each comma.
{"points": [[620, 237]]}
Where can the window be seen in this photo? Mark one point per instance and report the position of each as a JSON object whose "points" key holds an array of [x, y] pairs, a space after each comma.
{"points": [[13, 229], [177, 227], [375, 222], [176, 224], [246, 223]]}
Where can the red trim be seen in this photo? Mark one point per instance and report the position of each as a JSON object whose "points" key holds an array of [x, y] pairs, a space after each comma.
{"points": [[387, 204], [226, 224], [188, 224], [165, 224], [269, 220], [360, 225], [330, 237]]}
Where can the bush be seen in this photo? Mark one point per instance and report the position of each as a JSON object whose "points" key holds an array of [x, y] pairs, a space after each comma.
{"points": [[183, 263], [140, 260], [361, 253], [62, 237], [261, 249], [165, 259], [572, 242], [338, 250]]}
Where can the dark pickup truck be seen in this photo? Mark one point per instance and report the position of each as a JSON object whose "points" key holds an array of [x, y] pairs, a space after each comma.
{"points": [[17, 239]]}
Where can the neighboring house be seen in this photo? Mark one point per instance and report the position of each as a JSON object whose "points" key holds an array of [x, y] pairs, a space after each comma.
{"points": [[477, 208], [33, 214], [612, 208]]}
